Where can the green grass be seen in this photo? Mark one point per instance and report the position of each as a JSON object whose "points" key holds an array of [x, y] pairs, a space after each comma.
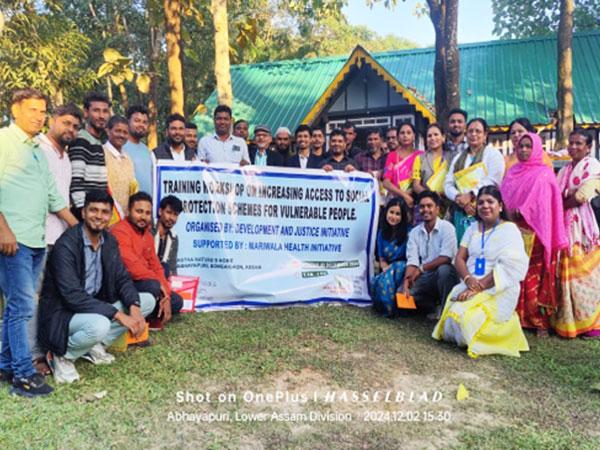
{"points": [[542, 400]]}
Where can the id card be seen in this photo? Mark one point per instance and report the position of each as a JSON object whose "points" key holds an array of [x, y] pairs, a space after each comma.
{"points": [[480, 266]]}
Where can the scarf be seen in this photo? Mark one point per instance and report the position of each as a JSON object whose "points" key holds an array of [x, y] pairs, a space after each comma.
{"points": [[462, 159], [531, 187]]}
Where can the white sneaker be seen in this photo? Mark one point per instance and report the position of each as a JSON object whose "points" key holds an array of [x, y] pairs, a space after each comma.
{"points": [[98, 355], [63, 369]]}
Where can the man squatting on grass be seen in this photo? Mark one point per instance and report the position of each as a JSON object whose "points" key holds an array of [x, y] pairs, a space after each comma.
{"points": [[88, 298], [136, 245]]}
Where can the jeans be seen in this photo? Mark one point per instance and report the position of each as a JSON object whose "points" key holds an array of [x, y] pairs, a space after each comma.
{"points": [[20, 277], [87, 330], [153, 287], [432, 288]]}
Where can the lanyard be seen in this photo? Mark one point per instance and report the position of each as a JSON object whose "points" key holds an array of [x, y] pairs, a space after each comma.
{"points": [[483, 240]]}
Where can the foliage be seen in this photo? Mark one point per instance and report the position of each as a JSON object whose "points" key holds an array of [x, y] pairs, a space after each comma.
{"points": [[45, 51], [525, 18]]}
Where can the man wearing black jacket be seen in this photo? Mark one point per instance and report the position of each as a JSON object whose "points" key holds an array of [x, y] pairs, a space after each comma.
{"points": [[88, 298], [261, 153], [304, 159]]}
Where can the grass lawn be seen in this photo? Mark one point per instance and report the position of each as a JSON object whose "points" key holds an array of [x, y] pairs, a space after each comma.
{"points": [[543, 400]]}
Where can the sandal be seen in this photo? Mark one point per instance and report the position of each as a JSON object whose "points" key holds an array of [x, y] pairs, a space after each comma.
{"points": [[41, 366]]}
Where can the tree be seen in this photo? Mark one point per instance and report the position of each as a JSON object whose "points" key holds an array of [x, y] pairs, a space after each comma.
{"points": [[446, 72], [565, 68], [526, 18], [51, 58], [173, 10], [222, 67]]}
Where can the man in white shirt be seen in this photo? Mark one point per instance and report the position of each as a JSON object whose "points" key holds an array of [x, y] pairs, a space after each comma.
{"points": [[430, 275], [63, 127], [174, 147], [223, 147]]}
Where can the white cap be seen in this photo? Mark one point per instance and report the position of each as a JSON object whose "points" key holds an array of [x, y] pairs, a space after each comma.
{"points": [[283, 130]]}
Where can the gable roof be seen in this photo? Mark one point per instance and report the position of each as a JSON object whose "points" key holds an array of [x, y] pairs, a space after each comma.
{"points": [[499, 80]]}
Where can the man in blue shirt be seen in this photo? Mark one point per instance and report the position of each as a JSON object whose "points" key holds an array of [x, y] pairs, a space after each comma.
{"points": [[142, 157], [430, 275]]}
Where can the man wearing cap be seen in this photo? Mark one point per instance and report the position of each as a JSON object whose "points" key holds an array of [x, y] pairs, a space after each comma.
{"points": [[283, 142], [260, 153]]}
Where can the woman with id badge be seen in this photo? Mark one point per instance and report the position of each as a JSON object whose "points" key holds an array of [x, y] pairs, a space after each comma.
{"points": [[491, 262]]}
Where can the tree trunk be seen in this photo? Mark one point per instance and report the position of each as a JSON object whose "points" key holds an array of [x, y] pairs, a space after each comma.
{"points": [[173, 38], [124, 97], [564, 92], [222, 72], [153, 102], [446, 76]]}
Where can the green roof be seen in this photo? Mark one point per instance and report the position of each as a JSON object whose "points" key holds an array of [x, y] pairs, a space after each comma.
{"points": [[499, 80]]}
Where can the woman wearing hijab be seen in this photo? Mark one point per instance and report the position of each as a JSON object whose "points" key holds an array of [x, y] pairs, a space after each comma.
{"points": [[533, 199], [579, 303]]}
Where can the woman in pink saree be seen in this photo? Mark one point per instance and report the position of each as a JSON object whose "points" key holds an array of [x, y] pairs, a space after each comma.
{"points": [[398, 172]]}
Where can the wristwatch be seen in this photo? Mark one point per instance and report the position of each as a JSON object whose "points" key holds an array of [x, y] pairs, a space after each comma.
{"points": [[421, 268]]}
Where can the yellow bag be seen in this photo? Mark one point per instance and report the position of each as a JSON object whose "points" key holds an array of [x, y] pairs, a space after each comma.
{"points": [[436, 181], [467, 179]]}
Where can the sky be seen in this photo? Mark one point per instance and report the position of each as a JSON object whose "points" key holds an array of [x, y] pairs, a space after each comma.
{"points": [[475, 23]]}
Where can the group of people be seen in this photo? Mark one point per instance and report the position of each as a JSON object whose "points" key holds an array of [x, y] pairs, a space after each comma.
{"points": [[70, 286], [489, 245], [75, 206]]}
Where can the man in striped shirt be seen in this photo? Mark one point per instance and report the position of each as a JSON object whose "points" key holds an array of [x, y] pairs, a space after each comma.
{"points": [[86, 153]]}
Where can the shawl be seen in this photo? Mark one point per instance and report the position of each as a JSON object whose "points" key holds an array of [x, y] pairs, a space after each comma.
{"points": [[531, 188], [580, 221]]}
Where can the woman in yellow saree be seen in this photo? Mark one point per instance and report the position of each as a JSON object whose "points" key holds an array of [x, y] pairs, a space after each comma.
{"points": [[430, 168], [491, 262]]}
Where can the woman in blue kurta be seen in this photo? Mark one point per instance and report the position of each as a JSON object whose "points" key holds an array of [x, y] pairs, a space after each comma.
{"points": [[391, 254]]}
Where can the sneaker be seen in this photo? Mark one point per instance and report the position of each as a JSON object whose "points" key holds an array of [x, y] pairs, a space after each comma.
{"points": [[63, 368], [33, 386], [6, 376], [98, 355]]}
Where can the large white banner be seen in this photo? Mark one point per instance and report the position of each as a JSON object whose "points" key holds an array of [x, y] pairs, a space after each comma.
{"points": [[266, 236]]}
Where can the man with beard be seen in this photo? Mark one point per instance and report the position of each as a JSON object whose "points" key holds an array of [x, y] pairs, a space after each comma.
{"points": [[373, 160], [317, 140], [456, 140], [136, 244], [283, 142], [86, 154], [223, 147], [190, 136], [261, 153], [143, 159], [338, 160], [88, 299], [304, 159], [27, 193], [391, 139], [62, 132], [430, 275], [166, 242], [350, 135], [174, 147]]}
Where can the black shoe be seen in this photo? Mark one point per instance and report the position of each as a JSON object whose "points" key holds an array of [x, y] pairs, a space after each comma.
{"points": [[6, 376], [32, 386]]}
